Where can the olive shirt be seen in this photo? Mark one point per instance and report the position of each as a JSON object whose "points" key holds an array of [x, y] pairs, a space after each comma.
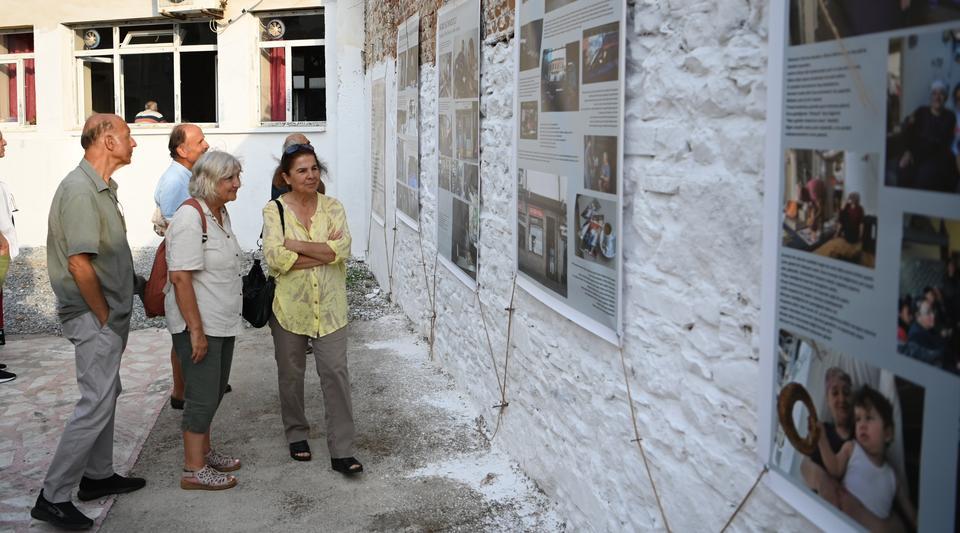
{"points": [[311, 301], [85, 218]]}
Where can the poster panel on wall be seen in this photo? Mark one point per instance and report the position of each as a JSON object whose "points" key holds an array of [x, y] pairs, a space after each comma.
{"points": [[408, 122], [378, 140], [861, 338], [458, 128], [569, 109]]}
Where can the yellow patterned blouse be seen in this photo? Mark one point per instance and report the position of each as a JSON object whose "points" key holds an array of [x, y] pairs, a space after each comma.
{"points": [[311, 301]]}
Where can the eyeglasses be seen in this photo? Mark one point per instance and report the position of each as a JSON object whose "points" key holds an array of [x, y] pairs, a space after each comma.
{"points": [[294, 148]]}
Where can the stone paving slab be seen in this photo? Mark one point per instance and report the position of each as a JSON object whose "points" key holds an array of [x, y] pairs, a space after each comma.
{"points": [[35, 407]]}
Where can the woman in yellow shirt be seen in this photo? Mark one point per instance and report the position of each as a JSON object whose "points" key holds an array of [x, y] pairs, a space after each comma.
{"points": [[306, 253]]}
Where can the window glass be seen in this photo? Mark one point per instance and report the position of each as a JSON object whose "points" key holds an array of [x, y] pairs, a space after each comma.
{"points": [[16, 43], [273, 88], [309, 84], [97, 83], [291, 27], [8, 92], [147, 77], [94, 38], [198, 86], [197, 33], [147, 34]]}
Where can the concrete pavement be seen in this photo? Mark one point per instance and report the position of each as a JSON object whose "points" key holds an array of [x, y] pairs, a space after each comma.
{"points": [[428, 465]]}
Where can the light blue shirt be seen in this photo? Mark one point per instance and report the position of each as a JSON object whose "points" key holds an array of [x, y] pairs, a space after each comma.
{"points": [[172, 189]]}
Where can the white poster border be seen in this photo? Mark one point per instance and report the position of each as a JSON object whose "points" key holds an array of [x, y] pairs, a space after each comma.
{"points": [[459, 273], [409, 222], [442, 12], [612, 335]]}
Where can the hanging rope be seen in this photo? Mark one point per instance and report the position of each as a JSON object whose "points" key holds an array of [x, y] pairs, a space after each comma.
{"points": [[639, 441], [745, 498]]}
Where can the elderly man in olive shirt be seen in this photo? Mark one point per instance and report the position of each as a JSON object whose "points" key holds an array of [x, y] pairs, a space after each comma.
{"points": [[91, 270]]}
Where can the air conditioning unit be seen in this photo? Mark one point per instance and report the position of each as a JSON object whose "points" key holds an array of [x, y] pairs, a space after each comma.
{"points": [[191, 8]]}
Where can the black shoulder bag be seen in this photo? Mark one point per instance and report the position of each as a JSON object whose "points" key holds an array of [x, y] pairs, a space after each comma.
{"points": [[258, 289]]}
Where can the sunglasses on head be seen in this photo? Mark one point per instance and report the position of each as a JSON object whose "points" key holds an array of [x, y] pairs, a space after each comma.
{"points": [[294, 148]]}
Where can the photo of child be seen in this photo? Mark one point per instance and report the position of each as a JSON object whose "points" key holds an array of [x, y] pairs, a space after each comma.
{"points": [[597, 234], [866, 462]]}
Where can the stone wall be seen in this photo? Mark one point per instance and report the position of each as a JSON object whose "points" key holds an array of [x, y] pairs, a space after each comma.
{"points": [[693, 175], [384, 17]]}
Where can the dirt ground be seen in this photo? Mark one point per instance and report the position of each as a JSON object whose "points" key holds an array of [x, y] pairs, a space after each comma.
{"points": [[428, 464]]}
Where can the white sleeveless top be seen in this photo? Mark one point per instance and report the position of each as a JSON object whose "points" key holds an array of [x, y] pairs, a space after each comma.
{"points": [[873, 485]]}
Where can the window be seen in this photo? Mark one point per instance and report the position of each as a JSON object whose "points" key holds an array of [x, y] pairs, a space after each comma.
{"points": [[292, 68], [18, 88], [148, 73]]}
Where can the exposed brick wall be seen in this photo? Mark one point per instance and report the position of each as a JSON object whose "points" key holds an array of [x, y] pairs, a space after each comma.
{"points": [[383, 17]]}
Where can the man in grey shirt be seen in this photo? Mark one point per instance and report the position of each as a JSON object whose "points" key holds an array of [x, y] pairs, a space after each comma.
{"points": [[91, 271]]}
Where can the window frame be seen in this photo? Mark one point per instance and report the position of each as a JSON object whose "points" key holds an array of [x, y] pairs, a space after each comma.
{"points": [[18, 60], [288, 46], [122, 49]]}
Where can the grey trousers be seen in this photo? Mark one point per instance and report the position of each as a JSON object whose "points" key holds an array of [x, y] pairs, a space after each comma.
{"points": [[330, 353], [86, 447]]}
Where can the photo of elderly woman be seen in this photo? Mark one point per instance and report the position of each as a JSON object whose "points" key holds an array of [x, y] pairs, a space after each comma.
{"points": [[866, 462], [923, 145]]}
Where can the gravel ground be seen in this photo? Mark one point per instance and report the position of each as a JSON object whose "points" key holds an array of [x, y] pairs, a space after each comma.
{"points": [[30, 307]]}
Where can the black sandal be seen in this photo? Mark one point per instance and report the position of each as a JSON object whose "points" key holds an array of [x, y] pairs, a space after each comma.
{"points": [[298, 448], [346, 465]]}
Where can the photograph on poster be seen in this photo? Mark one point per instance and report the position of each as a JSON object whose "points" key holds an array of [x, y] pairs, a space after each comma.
{"points": [[530, 35], [446, 172], [597, 230], [445, 75], [556, 4], [465, 66], [400, 170], [865, 462], [928, 310], [601, 53], [471, 183], [814, 21], [465, 236], [456, 179], [600, 163], [407, 201], [408, 124], [528, 120], [401, 71], [413, 66], [446, 135], [830, 204], [542, 228], [467, 132], [413, 171], [923, 142], [560, 78]]}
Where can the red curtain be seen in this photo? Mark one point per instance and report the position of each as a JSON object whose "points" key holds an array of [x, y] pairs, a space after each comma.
{"points": [[278, 85], [22, 43]]}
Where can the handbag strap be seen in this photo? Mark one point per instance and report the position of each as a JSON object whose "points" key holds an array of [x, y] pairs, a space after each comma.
{"points": [[283, 226], [203, 218]]}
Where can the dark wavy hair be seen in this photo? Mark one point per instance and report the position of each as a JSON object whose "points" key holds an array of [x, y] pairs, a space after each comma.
{"points": [[286, 161]]}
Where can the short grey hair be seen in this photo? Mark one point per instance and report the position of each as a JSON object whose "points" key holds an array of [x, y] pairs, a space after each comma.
{"points": [[208, 170]]}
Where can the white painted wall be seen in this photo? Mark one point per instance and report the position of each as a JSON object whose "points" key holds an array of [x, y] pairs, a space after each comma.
{"points": [[38, 157], [695, 110]]}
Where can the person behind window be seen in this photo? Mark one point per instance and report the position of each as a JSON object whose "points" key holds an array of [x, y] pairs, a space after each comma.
{"points": [[202, 304], [307, 251], [149, 115]]}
